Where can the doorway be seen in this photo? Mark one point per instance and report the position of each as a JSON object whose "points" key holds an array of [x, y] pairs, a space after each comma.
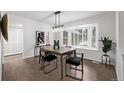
{"points": [[14, 46]]}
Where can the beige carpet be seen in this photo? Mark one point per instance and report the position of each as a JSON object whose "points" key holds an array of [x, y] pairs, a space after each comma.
{"points": [[17, 69]]}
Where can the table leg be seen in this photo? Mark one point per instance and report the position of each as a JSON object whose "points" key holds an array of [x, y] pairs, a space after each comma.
{"points": [[34, 52], [39, 55], [61, 58]]}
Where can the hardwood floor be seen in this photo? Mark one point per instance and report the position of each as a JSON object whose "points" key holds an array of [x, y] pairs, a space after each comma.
{"points": [[17, 69]]}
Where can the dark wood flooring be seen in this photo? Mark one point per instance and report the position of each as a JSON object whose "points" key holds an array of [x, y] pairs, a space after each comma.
{"points": [[17, 69]]}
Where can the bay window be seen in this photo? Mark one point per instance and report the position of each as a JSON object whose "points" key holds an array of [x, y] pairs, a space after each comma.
{"points": [[85, 36]]}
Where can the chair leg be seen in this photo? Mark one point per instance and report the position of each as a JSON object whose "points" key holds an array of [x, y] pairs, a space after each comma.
{"points": [[75, 70], [65, 69], [46, 72], [44, 68], [70, 66], [41, 65], [82, 70], [39, 59]]}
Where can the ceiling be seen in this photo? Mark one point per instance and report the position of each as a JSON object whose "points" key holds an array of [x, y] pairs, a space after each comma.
{"points": [[48, 16]]}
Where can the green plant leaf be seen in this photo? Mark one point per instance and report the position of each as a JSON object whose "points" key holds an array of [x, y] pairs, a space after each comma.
{"points": [[107, 44]]}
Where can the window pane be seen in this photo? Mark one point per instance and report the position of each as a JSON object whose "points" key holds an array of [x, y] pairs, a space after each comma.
{"points": [[75, 41], [65, 37], [72, 36], [65, 41], [80, 36], [85, 35], [94, 36], [47, 38], [77, 37]]}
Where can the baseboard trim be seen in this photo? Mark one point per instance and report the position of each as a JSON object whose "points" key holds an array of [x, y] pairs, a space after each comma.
{"points": [[12, 55], [97, 62]]}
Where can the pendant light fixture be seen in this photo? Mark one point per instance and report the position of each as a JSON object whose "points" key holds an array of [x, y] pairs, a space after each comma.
{"points": [[58, 26]]}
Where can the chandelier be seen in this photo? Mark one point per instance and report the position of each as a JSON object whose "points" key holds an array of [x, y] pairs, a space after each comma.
{"points": [[58, 26]]}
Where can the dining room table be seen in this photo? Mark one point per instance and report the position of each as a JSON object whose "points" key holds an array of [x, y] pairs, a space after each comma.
{"points": [[61, 52]]}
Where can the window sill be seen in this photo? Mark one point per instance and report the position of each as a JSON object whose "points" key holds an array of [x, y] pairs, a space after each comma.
{"points": [[85, 48]]}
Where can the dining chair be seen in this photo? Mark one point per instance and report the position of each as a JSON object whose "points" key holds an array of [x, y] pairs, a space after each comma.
{"points": [[75, 61], [47, 58]]}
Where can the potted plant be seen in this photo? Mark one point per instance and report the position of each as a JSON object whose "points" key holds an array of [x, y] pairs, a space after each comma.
{"points": [[107, 45]]}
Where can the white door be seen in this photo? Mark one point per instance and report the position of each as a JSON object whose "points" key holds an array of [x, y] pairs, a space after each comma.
{"points": [[15, 41]]}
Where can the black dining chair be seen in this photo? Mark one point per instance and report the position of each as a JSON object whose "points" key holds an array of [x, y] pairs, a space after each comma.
{"points": [[75, 61], [47, 58]]}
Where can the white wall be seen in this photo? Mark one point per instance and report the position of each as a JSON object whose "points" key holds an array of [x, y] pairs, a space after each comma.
{"points": [[0, 53], [106, 24], [0, 58], [30, 27], [1, 49], [121, 31], [120, 45], [121, 42]]}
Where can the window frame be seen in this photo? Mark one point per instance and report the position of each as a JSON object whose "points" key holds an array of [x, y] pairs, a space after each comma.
{"points": [[84, 47]]}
